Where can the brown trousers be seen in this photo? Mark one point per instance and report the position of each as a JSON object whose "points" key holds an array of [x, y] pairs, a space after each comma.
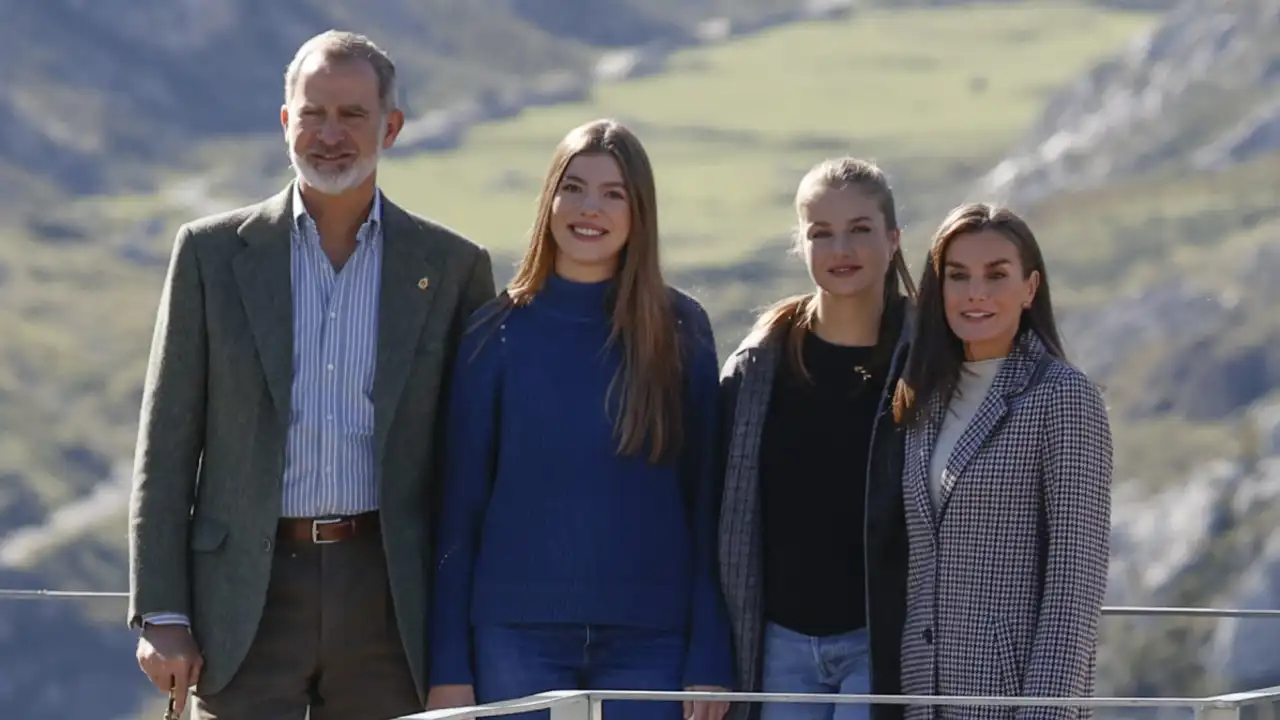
{"points": [[328, 642]]}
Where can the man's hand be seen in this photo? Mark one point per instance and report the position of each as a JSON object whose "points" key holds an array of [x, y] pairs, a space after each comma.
{"points": [[441, 697], [170, 658], [705, 710]]}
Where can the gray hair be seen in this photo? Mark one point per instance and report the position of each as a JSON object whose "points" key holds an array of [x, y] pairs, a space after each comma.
{"points": [[340, 45]]}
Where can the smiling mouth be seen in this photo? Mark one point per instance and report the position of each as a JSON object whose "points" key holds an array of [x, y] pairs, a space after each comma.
{"points": [[332, 157], [976, 315], [587, 232], [844, 270]]}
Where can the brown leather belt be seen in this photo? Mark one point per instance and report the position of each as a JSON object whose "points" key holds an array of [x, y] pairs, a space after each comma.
{"points": [[323, 531]]}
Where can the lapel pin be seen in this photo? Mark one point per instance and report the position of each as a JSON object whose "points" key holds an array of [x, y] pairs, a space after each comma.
{"points": [[423, 283]]}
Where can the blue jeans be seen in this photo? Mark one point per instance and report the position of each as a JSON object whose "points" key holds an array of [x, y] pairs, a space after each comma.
{"points": [[796, 663], [513, 661]]}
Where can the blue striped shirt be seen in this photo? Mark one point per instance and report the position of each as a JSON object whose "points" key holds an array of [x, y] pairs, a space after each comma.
{"points": [[329, 458]]}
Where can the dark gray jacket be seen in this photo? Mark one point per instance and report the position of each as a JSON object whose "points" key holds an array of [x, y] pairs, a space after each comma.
{"points": [[746, 383]]}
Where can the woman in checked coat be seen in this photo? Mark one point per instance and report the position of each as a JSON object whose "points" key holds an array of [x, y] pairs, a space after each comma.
{"points": [[1007, 482]]}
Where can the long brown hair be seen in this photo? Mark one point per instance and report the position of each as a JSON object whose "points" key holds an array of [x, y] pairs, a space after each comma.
{"points": [[643, 318], [796, 315], [937, 355]]}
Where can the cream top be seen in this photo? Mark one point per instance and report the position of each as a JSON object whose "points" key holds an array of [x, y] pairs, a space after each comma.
{"points": [[975, 383]]}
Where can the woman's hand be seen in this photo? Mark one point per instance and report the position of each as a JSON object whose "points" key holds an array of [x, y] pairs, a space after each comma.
{"points": [[450, 696], [705, 709]]}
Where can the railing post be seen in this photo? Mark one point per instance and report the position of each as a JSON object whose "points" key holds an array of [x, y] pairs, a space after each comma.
{"points": [[1215, 712], [582, 707]]}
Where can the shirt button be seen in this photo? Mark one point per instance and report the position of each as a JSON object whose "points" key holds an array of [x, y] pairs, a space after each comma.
{"points": [[328, 470], [330, 367], [266, 545], [927, 636], [329, 416], [333, 315]]}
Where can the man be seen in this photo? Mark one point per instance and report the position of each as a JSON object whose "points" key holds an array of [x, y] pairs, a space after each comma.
{"points": [[285, 462]]}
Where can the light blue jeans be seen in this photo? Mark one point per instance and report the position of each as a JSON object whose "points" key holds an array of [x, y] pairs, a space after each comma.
{"points": [[796, 663]]}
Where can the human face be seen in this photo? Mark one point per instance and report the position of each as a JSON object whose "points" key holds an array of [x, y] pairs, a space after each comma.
{"points": [[334, 124], [846, 244], [984, 291], [590, 218]]}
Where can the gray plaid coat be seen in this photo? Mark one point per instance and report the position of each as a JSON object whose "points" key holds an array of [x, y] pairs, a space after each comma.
{"points": [[746, 384], [1005, 584]]}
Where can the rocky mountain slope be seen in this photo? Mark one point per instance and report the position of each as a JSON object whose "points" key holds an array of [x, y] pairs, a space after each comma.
{"points": [[1162, 250], [1154, 181], [92, 94], [1201, 91]]}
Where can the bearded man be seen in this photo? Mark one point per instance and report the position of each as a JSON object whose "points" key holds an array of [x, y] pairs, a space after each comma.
{"points": [[285, 465]]}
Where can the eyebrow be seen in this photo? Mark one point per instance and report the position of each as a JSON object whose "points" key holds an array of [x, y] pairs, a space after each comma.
{"points": [[860, 218], [992, 264], [613, 183]]}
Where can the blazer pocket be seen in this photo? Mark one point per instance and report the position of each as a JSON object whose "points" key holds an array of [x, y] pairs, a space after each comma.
{"points": [[207, 535], [1005, 658]]}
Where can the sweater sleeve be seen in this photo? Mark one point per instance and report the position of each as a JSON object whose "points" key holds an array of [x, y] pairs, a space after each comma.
{"points": [[710, 658], [470, 459]]}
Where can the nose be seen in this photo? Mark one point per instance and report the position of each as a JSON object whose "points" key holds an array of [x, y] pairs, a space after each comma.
{"points": [[844, 243], [977, 288], [330, 132], [590, 204]]}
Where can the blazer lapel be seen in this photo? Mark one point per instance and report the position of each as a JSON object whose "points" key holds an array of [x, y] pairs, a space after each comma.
{"points": [[409, 282], [918, 477], [742, 484], [1011, 380], [262, 270], [988, 416]]}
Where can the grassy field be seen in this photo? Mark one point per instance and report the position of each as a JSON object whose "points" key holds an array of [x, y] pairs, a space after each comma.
{"points": [[937, 95], [731, 129]]}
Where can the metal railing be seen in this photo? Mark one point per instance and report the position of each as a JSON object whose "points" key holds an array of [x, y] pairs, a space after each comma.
{"points": [[587, 704], [1107, 610], [1261, 704]]}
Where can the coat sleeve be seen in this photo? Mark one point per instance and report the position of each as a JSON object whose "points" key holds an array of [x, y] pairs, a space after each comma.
{"points": [[170, 444], [1077, 470]]}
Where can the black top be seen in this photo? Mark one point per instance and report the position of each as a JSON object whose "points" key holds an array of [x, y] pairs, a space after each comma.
{"points": [[813, 475]]}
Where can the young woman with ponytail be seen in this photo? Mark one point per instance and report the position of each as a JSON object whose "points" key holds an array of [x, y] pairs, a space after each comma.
{"points": [[812, 531]]}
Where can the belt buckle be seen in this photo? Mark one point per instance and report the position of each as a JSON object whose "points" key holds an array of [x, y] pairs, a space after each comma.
{"points": [[315, 530]]}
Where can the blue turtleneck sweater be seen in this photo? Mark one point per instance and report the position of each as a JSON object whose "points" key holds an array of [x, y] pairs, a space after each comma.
{"points": [[542, 520]]}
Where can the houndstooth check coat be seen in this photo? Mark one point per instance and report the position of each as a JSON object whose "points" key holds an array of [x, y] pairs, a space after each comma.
{"points": [[1005, 584]]}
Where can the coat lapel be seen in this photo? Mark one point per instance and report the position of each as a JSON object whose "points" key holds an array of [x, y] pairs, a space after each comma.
{"points": [[741, 546], [410, 278], [919, 476], [1011, 380], [262, 270]]}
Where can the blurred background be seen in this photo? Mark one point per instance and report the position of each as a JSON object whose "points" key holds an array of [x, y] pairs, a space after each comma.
{"points": [[1140, 137]]}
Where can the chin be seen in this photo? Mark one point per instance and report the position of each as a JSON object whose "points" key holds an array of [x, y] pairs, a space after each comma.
{"points": [[589, 253], [334, 183], [982, 336], [845, 290]]}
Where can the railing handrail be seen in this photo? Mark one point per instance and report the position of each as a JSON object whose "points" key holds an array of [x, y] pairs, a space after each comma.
{"points": [[585, 704], [1108, 610]]}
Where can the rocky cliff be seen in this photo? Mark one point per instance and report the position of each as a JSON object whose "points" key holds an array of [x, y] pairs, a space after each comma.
{"points": [[1200, 91]]}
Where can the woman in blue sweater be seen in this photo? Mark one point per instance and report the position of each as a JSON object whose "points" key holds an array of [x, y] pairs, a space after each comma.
{"points": [[578, 525]]}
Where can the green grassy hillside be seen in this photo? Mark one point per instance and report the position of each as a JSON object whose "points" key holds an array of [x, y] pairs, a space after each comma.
{"points": [[730, 129], [934, 94]]}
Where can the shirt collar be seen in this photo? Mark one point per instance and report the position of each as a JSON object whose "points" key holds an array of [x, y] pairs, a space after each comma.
{"points": [[374, 220]]}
